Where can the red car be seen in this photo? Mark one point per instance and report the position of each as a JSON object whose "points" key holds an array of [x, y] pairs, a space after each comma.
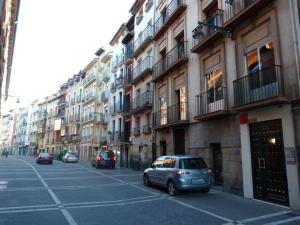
{"points": [[44, 157]]}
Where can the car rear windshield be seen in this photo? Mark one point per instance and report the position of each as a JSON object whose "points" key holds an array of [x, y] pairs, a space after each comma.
{"points": [[44, 154], [107, 154], [192, 163], [72, 154]]}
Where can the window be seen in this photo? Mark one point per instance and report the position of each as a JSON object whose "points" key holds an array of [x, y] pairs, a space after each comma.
{"points": [[163, 109], [158, 163], [169, 163], [192, 163], [261, 59], [214, 85]]}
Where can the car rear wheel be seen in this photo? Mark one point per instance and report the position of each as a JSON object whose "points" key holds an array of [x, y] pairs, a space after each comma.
{"points": [[172, 190], [97, 166], [146, 180]]}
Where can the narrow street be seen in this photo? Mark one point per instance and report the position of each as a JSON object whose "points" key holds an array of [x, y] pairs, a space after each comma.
{"points": [[79, 194]]}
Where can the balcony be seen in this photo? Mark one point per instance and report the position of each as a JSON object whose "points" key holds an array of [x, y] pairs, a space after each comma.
{"points": [[142, 102], [261, 88], [106, 75], [128, 80], [112, 87], [78, 99], [137, 131], [113, 109], [89, 79], [211, 104], [89, 97], [61, 102], [128, 53], [104, 96], [208, 31], [75, 138], [173, 10], [119, 107], [236, 11], [142, 69], [143, 40], [114, 65], [121, 59], [89, 117], [172, 60], [101, 119], [60, 114], [72, 101], [175, 115], [147, 129], [119, 81]]}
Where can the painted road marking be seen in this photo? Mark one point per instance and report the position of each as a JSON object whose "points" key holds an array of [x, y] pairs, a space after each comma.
{"points": [[201, 210], [3, 184], [67, 215], [284, 221], [263, 217]]}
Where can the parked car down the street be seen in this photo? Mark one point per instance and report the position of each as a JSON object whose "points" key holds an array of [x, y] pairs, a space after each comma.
{"points": [[179, 172], [104, 159], [44, 157], [70, 157]]}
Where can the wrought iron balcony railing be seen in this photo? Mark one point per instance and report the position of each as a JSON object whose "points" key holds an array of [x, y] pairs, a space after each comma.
{"points": [[137, 131], [209, 30], [143, 40], [142, 102], [147, 129], [172, 11], [106, 75], [258, 86], [172, 115], [142, 69], [171, 60], [211, 102], [104, 96]]}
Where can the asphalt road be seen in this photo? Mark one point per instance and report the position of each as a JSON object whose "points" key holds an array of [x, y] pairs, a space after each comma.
{"points": [[78, 194]]}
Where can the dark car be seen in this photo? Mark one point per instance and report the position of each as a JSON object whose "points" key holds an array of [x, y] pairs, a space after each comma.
{"points": [[104, 159], [179, 172], [44, 157]]}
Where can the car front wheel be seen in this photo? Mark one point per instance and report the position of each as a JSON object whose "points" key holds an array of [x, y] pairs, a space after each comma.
{"points": [[172, 190], [146, 180]]}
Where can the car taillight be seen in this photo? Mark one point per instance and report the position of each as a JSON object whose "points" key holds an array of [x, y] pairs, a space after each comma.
{"points": [[182, 172], [99, 158], [209, 172]]}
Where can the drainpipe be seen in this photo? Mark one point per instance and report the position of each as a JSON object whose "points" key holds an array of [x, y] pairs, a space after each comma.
{"points": [[296, 37]]}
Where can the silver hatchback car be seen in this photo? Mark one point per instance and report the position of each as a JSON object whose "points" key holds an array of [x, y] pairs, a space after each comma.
{"points": [[70, 157], [179, 172]]}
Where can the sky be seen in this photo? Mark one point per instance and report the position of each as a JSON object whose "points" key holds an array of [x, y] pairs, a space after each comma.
{"points": [[57, 38]]}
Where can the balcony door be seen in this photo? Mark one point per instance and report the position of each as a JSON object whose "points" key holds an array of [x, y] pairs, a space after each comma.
{"points": [[215, 98], [163, 109], [262, 81]]}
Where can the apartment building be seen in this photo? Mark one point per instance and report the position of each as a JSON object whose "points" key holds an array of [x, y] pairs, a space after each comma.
{"points": [[6, 125], [31, 138], [21, 128], [73, 115], [45, 124], [243, 96], [9, 11], [88, 142], [118, 138], [141, 154], [102, 104], [171, 116]]}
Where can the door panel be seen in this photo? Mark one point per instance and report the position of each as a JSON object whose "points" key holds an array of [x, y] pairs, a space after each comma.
{"points": [[268, 162]]}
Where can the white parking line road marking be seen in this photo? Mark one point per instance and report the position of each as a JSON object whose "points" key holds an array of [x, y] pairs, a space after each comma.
{"points": [[66, 214], [263, 217], [3, 184], [201, 210], [114, 204], [28, 210], [284, 221], [27, 207]]}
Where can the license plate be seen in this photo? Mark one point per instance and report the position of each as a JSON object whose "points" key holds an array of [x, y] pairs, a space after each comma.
{"points": [[197, 181], [107, 159]]}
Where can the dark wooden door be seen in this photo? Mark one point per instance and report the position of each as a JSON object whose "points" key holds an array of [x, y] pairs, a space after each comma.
{"points": [[217, 163], [268, 162]]}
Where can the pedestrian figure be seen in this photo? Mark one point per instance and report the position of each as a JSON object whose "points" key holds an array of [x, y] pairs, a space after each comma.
{"points": [[6, 153]]}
